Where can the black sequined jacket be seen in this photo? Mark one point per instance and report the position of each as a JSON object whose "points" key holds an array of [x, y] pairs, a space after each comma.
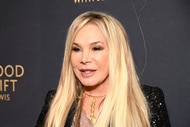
{"points": [[154, 96]]}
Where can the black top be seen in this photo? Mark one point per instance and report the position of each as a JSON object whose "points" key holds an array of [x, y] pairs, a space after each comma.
{"points": [[154, 96]]}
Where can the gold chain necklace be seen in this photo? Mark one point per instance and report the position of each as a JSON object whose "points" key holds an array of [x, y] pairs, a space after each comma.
{"points": [[92, 107], [92, 110]]}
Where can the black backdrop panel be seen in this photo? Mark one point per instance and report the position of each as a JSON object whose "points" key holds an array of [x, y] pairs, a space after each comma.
{"points": [[20, 87], [32, 36]]}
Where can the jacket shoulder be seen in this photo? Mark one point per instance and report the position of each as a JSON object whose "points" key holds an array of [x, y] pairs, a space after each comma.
{"points": [[157, 105], [45, 108]]}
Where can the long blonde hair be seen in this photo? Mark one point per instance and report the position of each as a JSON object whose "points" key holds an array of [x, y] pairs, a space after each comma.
{"points": [[124, 104]]}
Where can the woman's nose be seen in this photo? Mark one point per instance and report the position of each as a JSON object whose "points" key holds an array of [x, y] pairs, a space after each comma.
{"points": [[85, 58]]}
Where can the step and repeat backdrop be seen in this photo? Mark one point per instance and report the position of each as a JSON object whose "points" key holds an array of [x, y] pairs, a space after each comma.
{"points": [[32, 38]]}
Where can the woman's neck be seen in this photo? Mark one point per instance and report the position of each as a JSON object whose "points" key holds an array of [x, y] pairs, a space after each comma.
{"points": [[92, 105]]}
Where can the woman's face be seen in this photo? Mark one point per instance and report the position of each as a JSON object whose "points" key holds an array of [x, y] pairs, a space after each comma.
{"points": [[89, 57]]}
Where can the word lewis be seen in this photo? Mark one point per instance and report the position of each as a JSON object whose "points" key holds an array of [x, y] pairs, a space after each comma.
{"points": [[5, 97]]}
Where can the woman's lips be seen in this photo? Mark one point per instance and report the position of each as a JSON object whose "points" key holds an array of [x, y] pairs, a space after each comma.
{"points": [[87, 72]]}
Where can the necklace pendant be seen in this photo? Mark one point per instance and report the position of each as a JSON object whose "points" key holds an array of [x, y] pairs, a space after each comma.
{"points": [[93, 120]]}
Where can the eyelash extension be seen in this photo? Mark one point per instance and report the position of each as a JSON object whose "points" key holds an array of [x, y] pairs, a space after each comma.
{"points": [[98, 48], [75, 49]]}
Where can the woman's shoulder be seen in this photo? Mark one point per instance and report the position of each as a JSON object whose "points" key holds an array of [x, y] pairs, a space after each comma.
{"points": [[157, 105], [50, 95], [152, 93], [41, 119]]}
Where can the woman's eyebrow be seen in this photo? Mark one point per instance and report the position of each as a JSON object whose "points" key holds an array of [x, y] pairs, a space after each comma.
{"points": [[96, 42], [92, 43], [75, 43]]}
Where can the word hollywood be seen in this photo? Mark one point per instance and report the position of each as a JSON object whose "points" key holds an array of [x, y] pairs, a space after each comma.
{"points": [[85, 1], [9, 75]]}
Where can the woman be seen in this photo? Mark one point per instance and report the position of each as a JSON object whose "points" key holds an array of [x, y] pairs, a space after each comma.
{"points": [[98, 85]]}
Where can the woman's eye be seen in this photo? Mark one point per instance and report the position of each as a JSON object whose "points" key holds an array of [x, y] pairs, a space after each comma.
{"points": [[75, 49], [98, 48]]}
